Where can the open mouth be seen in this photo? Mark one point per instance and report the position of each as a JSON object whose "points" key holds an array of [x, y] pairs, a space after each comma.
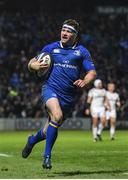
{"points": [[64, 37]]}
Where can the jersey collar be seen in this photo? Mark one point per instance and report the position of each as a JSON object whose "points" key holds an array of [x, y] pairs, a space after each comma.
{"points": [[73, 47]]}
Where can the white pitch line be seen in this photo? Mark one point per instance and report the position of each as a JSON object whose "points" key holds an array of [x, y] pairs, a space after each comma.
{"points": [[125, 173], [5, 155]]}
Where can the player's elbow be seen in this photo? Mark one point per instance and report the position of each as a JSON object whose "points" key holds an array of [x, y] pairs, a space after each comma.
{"points": [[93, 74]]}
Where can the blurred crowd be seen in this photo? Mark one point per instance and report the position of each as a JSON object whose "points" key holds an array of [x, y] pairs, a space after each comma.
{"points": [[22, 36]]}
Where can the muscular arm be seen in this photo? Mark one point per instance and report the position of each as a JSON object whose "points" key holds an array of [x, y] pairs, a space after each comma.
{"points": [[88, 78], [30, 64]]}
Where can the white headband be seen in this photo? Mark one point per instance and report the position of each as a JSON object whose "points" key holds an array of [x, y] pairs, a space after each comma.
{"points": [[70, 28]]}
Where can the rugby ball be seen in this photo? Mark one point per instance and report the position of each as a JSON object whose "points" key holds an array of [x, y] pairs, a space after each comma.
{"points": [[44, 58]]}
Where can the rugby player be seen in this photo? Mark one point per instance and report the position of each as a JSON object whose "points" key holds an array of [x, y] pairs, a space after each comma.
{"points": [[114, 101], [59, 90], [96, 105]]}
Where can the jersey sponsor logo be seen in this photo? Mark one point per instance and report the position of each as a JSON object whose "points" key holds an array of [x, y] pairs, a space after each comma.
{"points": [[77, 52], [65, 65], [56, 50]]}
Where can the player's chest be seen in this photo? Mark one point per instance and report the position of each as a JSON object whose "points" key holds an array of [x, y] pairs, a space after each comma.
{"points": [[112, 96], [98, 94], [61, 56]]}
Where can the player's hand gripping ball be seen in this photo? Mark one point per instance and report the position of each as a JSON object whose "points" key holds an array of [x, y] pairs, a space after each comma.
{"points": [[45, 59]]}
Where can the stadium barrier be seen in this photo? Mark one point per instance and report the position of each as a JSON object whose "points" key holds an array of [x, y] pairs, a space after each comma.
{"points": [[34, 124]]}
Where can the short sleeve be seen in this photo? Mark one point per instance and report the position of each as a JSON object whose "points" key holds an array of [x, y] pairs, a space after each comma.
{"points": [[88, 63]]}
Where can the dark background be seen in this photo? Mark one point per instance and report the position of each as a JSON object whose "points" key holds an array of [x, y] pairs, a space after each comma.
{"points": [[58, 5]]}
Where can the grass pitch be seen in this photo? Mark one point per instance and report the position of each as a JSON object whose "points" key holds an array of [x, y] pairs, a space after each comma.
{"points": [[75, 156]]}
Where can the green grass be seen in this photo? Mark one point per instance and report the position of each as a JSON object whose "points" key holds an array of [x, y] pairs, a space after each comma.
{"points": [[75, 156]]}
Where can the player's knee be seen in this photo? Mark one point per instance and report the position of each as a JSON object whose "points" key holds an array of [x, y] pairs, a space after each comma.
{"points": [[58, 117], [104, 123]]}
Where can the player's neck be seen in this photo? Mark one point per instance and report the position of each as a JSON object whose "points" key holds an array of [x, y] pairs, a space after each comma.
{"points": [[68, 45], [111, 91]]}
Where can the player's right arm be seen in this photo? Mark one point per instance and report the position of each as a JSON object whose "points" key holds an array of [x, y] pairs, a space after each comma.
{"points": [[35, 65], [107, 103], [118, 103], [89, 100]]}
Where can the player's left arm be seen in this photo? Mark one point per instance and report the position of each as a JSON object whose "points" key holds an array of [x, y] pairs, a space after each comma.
{"points": [[107, 104], [118, 103], [89, 67], [88, 78]]}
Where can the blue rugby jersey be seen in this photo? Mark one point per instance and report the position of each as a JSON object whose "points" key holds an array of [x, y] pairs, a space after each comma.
{"points": [[68, 64]]}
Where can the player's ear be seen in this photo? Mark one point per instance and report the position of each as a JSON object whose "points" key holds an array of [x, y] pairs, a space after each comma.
{"points": [[76, 37]]}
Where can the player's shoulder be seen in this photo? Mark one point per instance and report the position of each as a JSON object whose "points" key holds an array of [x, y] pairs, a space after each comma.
{"points": [[116, 94], [107, 92], [92, 90], [83, 49]]}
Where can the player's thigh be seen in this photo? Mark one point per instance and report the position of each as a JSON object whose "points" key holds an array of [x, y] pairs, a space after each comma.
{"points": [[103, 116], [50, 99], [113, 117], [108, 115], [94, 112], [54, 109]]}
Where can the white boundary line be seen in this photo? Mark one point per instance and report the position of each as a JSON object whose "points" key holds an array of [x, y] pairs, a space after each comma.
{"points": [[5, 155]]}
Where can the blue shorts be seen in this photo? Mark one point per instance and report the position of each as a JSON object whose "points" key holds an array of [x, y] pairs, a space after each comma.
{"points": [[66, 102]]}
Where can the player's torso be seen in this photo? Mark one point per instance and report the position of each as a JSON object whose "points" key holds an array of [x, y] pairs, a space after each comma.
{"points": [[67, 62], [66, 57], [66, 68], [112, 97], [98, 96]]}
